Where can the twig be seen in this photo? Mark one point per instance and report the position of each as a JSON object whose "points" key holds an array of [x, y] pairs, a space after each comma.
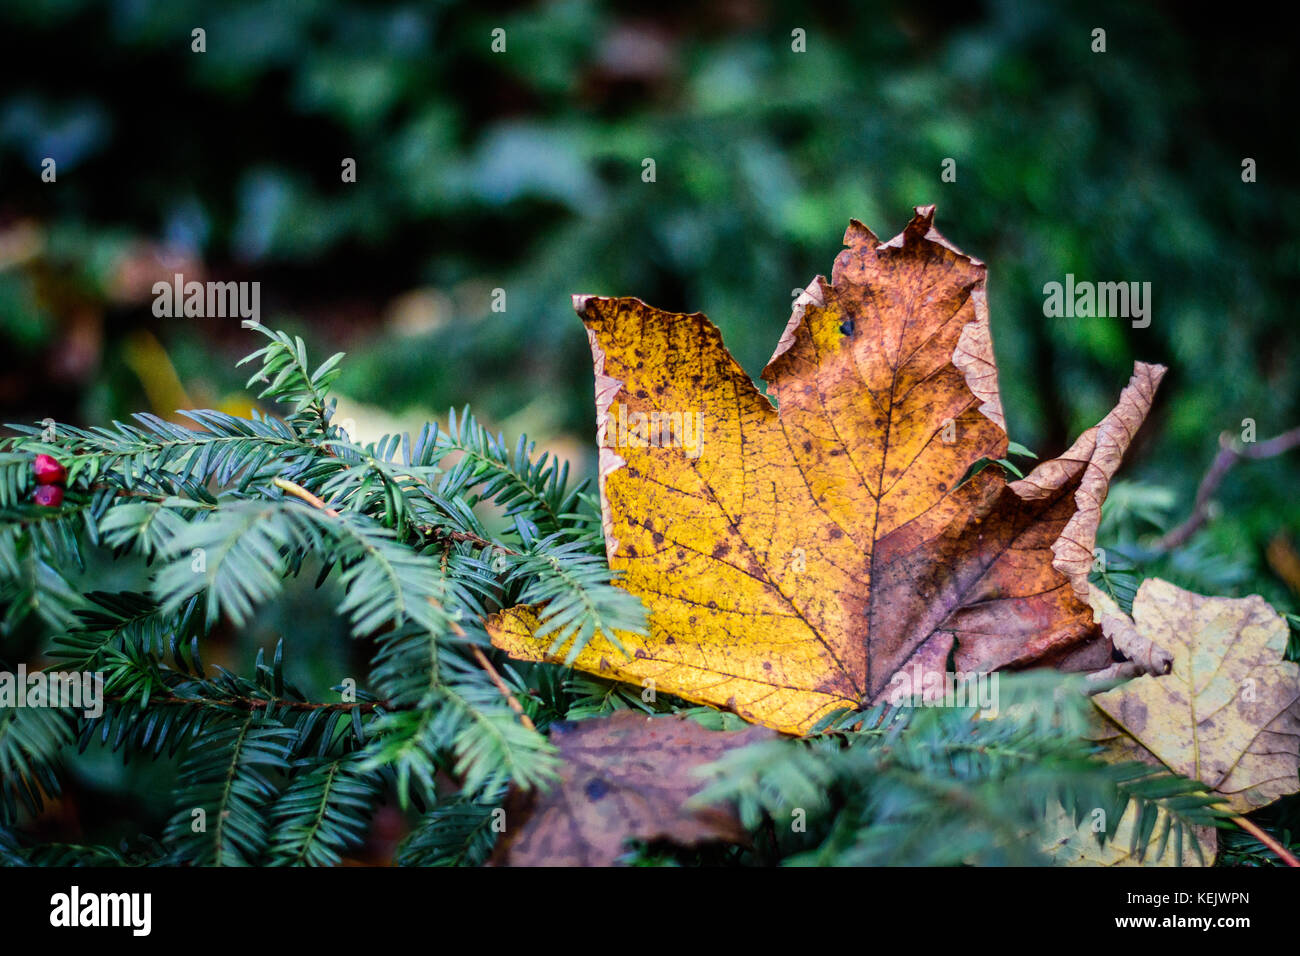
{"points": [[1282, 852], [254, 703], [486, 664], [298, 491], [1230, 452], [450, 534], [124, 493]]}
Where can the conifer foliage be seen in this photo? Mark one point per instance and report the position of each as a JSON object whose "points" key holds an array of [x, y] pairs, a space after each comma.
{"points": [[419, 539], [224, 512]]}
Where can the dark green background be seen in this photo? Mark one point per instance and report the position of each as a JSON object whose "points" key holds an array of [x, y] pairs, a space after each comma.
{"points": [[522, 171]]}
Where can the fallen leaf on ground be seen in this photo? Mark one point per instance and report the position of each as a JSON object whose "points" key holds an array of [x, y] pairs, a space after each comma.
{"points": [[1228, 713], [827, 554], [626, 776], [1068, 845]]}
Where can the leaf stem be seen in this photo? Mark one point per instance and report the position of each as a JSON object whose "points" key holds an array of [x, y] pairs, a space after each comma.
{"points": [[1265, 838]]}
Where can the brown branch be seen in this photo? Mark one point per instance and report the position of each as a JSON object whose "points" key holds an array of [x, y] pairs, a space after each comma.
{"points": [[486, 664], [124, 493], [298, 491], [253, 703], [1282, 852], [449, 534], [1230, 452]]}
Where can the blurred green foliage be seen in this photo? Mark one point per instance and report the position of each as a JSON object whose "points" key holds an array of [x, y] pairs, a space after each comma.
{"points": [[522, 171]]}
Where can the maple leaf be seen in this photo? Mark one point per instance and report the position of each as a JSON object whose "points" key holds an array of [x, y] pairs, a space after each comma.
{"points": [[814, 554], [1228, 713], [626, 776]]}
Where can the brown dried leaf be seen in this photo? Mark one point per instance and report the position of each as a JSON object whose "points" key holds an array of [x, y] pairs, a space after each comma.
{"points": [[1069, 845], [626, 776], [1228, 714]]}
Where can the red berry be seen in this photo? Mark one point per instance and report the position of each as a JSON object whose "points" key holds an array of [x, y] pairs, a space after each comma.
{"points": [[49, 471], [48, 496]]}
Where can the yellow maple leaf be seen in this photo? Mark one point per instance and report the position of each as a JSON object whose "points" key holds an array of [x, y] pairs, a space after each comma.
{"points": [[823, 552]]}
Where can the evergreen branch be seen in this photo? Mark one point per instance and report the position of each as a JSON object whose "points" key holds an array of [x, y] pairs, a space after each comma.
{"points": [[456, 833], [533, 491], [31, 740], [14, 853], [324, 811], [290, 379], [224, 792], [579, 602]]}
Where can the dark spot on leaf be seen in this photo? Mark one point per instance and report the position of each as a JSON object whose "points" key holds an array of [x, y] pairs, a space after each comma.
{"points": [[1135, 715]]}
